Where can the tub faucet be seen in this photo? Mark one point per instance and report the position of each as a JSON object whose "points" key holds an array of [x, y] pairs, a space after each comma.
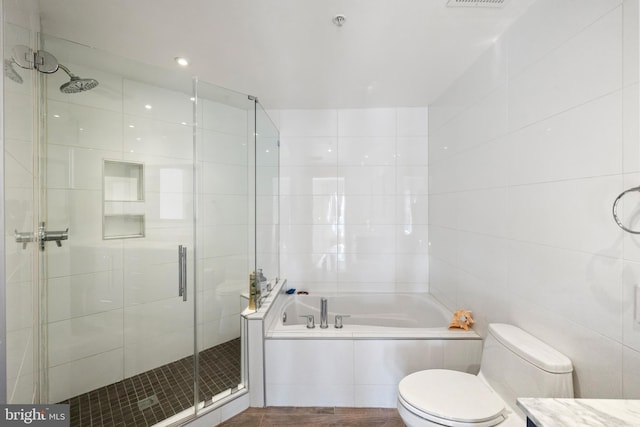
{"points": [[323, 313], [310, 322]]}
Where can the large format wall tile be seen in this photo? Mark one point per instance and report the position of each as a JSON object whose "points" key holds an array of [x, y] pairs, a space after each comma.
{"points": [[354, 202], [520, 224]]}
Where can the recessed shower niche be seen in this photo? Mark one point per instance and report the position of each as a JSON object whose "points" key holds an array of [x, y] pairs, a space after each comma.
{"points": [[123, 200]]}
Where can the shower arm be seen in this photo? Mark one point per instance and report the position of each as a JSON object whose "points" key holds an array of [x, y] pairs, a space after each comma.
{"points": [[66, 70]]}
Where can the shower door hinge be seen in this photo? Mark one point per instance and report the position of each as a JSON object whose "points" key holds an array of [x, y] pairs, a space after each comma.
{"points": [[40, 60]]}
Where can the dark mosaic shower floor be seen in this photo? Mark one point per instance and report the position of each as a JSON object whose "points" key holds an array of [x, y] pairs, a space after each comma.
{"points": [[166, 391]]}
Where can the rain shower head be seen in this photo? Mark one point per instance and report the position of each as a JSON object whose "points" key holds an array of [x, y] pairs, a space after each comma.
{"points": [[10, 72], [76, 84], [46, 63]]}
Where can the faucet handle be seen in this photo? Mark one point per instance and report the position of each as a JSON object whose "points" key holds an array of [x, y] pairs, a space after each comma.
{"points": [[339, 318], [310, 321]]}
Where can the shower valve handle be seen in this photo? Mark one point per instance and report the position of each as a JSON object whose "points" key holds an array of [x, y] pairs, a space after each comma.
{"points": [[24, 238], [51, 236]]}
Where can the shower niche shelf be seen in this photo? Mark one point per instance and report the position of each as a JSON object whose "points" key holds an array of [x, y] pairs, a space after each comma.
{"points": [[123, 200]]}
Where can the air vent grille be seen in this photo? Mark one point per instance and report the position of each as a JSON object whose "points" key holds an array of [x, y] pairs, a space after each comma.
{"points": [[476, 3]]}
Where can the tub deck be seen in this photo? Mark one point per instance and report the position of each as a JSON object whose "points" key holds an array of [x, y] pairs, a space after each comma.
{"points": [[360, 332]]}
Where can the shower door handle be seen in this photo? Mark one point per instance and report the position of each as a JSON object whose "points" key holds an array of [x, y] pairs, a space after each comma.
{"points": [[182, 272]]}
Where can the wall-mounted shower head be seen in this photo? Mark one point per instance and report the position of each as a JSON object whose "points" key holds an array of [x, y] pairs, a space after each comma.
{"points": [[46, 63], [76, 84], [10, 72]]}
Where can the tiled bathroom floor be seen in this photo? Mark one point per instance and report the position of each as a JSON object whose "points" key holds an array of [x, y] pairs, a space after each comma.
{"points": [[315, 417], [166, 391]]}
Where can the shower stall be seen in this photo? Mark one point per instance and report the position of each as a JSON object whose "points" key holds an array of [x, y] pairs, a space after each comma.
{"points": [[137, 202]]}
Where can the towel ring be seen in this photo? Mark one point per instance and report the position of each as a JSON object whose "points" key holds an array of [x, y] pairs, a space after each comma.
{"points": [[615, 210]]}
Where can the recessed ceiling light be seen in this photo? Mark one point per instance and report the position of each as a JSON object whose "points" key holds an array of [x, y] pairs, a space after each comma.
{"points": [[148, 107], [182, 61]]}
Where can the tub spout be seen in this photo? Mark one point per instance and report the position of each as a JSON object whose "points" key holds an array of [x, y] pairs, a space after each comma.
{"points": [[323, 313]]}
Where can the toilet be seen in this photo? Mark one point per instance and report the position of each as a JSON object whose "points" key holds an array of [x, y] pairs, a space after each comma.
{"points": [[514, 364]]}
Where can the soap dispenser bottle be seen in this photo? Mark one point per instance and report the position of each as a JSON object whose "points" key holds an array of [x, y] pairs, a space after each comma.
{"points": [[262, 281], [253, 291]]}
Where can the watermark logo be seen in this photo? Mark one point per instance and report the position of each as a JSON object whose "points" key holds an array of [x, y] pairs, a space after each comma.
{"points": [[34, 415]]}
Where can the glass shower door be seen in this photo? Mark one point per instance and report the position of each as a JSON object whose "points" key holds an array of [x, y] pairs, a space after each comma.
{"points": [[21, 216], [119, 294]]}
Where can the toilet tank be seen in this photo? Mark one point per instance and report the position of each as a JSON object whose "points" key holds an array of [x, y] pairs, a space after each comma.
{"points": [[517, 364]]}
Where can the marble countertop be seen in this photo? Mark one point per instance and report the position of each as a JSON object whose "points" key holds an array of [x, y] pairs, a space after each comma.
{"points": [[545, 412]]}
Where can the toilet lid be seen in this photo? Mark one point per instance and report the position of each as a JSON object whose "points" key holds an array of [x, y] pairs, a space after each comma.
{"points": [[451, 395]]}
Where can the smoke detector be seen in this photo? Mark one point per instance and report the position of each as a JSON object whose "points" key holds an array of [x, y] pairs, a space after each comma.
{"points": [[338, 20], [476, 3]]}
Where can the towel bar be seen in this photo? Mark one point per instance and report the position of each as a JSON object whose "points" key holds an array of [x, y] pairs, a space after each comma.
{"points": [[615, 210]]}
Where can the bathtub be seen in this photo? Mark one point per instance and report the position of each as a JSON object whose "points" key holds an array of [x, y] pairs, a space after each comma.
{"points": [[386, 337], [369, 316]]}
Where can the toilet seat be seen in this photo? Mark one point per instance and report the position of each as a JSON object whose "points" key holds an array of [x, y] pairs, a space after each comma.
{"points": [[451, 398]]}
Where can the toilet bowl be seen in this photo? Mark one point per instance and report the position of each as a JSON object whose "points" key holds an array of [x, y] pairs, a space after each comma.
{"points": [[514, 364]]}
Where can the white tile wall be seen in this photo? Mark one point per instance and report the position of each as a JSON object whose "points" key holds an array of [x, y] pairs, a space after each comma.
{"points": [[579, 138], [80, 337], [354, 198], [75, 125], [97, 371], [520, 223], [569, 74]]}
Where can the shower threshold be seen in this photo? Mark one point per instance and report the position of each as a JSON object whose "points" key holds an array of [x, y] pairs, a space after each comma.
{"points": [[150, 397]]}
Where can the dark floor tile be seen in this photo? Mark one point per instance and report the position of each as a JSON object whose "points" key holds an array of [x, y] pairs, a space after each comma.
{"points": [[172, 384]]}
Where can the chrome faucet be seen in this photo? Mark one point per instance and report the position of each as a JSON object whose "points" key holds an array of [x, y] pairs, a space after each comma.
{"points": [[323, 313]]}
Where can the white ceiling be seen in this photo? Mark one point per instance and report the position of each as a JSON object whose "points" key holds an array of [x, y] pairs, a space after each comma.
{"points": [[288, 52]]}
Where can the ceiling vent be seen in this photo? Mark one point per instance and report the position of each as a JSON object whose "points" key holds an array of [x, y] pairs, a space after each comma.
{"points": [[476, 3]]}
